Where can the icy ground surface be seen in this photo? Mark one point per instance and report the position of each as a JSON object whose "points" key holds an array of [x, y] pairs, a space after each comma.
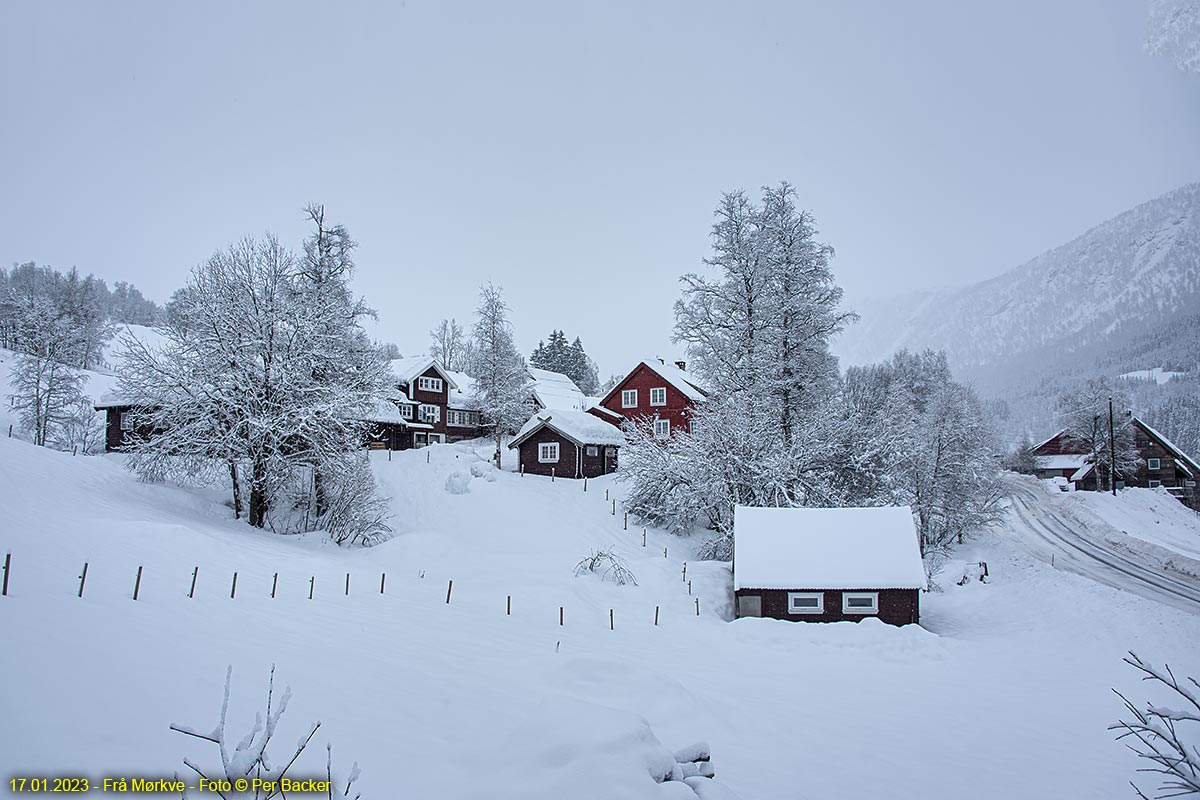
{"points": [[1004, 692]]}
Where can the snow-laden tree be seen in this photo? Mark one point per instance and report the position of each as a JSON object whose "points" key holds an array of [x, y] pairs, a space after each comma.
{"points": [[1174, 32], [1085, 417], [941, 446], [1165, 736], [268, 373], [47, 388], [583, 370], [557, 355], [501, 386], [447, 344]]}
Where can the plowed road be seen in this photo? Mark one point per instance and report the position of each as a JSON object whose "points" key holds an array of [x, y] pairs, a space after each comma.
{"points": [[1046, 532]]}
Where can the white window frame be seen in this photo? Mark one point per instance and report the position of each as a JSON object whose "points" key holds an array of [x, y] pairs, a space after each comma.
{"points": [[548, 452], [436, 438], [429, 384], [818, 609], [1155, 484], [626, 395], [593, 451], [665, 431], [434, 417], [126, 420], [661, 393], [406, 411], [1153, 463], [848, 609]]}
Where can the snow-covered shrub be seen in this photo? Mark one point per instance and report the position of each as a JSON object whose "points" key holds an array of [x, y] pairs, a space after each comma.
{"points": [[245, 759], [356, 513], [1165, 736], [458, 483], [608, 565], [480, 469], [80, 429]]}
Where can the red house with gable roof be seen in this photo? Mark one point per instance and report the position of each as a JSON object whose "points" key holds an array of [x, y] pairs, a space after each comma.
{"points": [[654, 391]]}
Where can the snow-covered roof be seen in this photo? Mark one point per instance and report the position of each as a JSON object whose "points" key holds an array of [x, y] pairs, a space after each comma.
{"points": [[1183, 466], [826, 548], [1081, 473], [462, 390], [580, 427], [678, 378], [1193, 467], [608, 412], [556, 390], [112, 400], [1064, 461], [385, 411], [408, 369]]}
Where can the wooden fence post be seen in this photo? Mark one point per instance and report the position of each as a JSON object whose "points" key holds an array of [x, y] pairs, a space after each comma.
{"points": [[606, 495], [508, 607], [192, 591], [552, 474], [312, 584], [382, 578], [7, 564], [656, 615], [664, 552], [137, 584], [560, 616], [611, 623], [585, 483], [75, 450], [449, 588], [689, 587], [697, 606], [685, 570], [233, 588], [82, 578], [10, 431], [643, 537], [274, 584], [347, 584], [614, 511], [626, 520]]}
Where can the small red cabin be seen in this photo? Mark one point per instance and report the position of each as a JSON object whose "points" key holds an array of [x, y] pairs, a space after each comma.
{"points": [[827, 564], [567, 444]]}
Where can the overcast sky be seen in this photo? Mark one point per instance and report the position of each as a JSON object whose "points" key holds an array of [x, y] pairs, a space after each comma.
{"points": [[573, 152]]}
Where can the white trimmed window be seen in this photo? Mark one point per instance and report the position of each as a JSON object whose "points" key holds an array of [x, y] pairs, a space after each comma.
{"points": [[1155, 484], [806, 602], [406, 411], [1153, 463], [548, 452], [126, 420], [429, 384], [662, 428], [430, 413], [658, 397], [593, 451], [860, 602], [629, 398]]}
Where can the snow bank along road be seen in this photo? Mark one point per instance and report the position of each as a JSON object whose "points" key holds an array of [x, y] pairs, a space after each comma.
{"points": [[1046, 530]]}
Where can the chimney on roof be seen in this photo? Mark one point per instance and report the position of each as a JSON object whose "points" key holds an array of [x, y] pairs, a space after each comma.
{"points": [[682, 365]]}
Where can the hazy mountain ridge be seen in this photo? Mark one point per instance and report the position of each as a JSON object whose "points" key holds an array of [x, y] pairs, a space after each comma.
{"points": [[1120, 281]]}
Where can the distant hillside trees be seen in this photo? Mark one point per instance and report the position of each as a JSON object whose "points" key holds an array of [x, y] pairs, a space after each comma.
{"points": [[265, 373], [1178, 418], [1175, 32], [501, 386], [556, 355]]}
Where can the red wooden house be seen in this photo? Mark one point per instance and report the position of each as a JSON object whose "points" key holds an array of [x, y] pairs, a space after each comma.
{"points": [[567, 444], [654, 391], [428, 405]]}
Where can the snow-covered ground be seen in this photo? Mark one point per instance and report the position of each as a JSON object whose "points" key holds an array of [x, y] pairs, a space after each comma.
{"points": [[1003, 692], [1155, 375]]}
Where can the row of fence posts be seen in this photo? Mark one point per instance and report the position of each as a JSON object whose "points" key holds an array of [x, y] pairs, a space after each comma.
{"points": [[137, 587]]}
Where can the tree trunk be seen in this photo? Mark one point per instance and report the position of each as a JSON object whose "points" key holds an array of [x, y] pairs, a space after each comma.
{"points": [[322, 502], [258, 495], [237, 492]]}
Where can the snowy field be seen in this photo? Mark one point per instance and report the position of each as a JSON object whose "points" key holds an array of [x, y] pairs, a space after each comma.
{"points": [[1003, 692]]}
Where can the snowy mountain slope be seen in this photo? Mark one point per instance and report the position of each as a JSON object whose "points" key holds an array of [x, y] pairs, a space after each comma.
{"points": [[1129, 277], [463, 700]]}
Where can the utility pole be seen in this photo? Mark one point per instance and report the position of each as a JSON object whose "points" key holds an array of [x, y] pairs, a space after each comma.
{"points": [[1112, 450]]}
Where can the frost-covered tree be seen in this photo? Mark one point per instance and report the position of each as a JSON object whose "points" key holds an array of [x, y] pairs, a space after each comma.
{"points": [[1022, 459], [1165, 736], [942, 460], [557, 355], [46, 385], [447, 344], [1085, 416], [501, 386], [582, 369], [1174, 32], [267, 373]]}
